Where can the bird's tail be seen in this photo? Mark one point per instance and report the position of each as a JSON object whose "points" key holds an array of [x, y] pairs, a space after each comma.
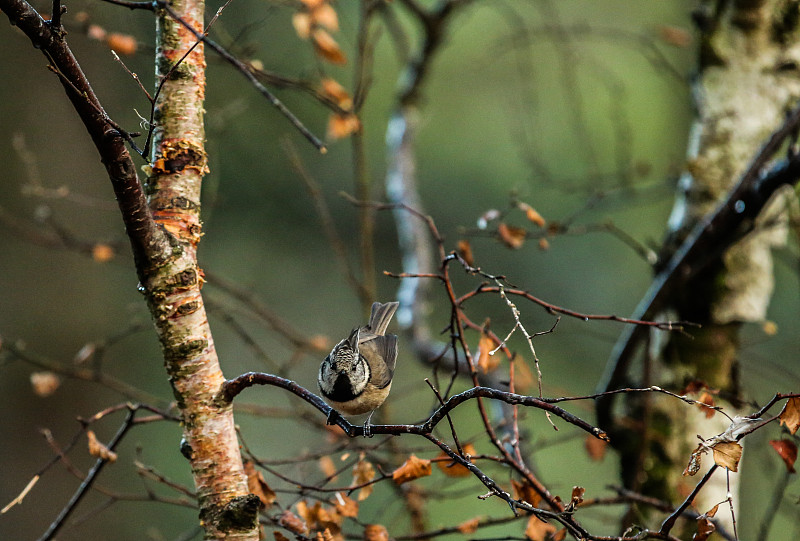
{"points": [[381, 316]]}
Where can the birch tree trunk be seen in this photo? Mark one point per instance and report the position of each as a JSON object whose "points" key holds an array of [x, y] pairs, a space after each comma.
{"points": [[748, 79]]}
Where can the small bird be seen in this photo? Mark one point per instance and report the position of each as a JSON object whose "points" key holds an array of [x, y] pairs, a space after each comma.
{"points": [[356, 375]]}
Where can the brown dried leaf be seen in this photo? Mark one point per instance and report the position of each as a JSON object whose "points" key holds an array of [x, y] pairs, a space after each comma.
{"points": [[525, 492], [327, 47], [727, 454], [524, 379], [279, 536], [363, 472], [511, 236], [332, 89], [45, 383], [123, 44], [704, 528], [486, 361], [327, 467], [787, 450], [318, 517], [451, 468], [707, 399], [577, 496], [469, 526], [693, 386], [538, 530], [345, 506], [595, 448], [341, 126], [292, 522], [325, 15], [464, 249], [375, 532], [102, 253], [560, 535], [790, 414], [411, 469], [532, 214], [97, 449], [257, 485]]}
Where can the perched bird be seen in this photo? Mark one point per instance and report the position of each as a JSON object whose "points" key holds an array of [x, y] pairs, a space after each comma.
{"points": [[356, 375]]}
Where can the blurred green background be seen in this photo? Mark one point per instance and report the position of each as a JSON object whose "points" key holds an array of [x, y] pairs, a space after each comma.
{"points": [[605, 105]]}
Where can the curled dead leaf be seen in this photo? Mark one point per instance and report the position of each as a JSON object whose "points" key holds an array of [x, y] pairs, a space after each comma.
{"points": [[341, 126], [325, 15], [335, 91], [532, 214], [704, 528], [97, 449], [257, 485], [790, 415], [411, 469], [694, 461]]}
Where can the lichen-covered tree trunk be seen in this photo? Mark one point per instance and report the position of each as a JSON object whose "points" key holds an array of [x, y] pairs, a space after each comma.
{"points": [[747, 81], [227, 510]]}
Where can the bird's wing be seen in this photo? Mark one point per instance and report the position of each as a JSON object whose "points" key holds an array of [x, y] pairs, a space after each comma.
{"points": [[381, 354]]}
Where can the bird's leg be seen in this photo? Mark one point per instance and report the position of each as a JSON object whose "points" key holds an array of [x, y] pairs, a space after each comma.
{"points": [[367, 431]]}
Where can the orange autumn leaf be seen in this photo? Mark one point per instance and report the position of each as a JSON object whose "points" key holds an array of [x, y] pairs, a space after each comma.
{"points": [[790, 414], [524, 379], [327, 467], [123, 44], [97, 449], [363, 472], [727, 454], [595, 448], [469, 526], [96, 32], [538, 530], [486, 361], [451, 468], [464, 249], [770, 328], [318, 517], [335, 91], [411, 469], [327, 47], [525, 492], [341, 126], [707, 399], [102, 252], [375, 532], [704, 528], [544, 244], [787, 450], [325, 15], [511, 236], [257, 485], [345, 506], [279, 536], [532, 214], [560, 535]]}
